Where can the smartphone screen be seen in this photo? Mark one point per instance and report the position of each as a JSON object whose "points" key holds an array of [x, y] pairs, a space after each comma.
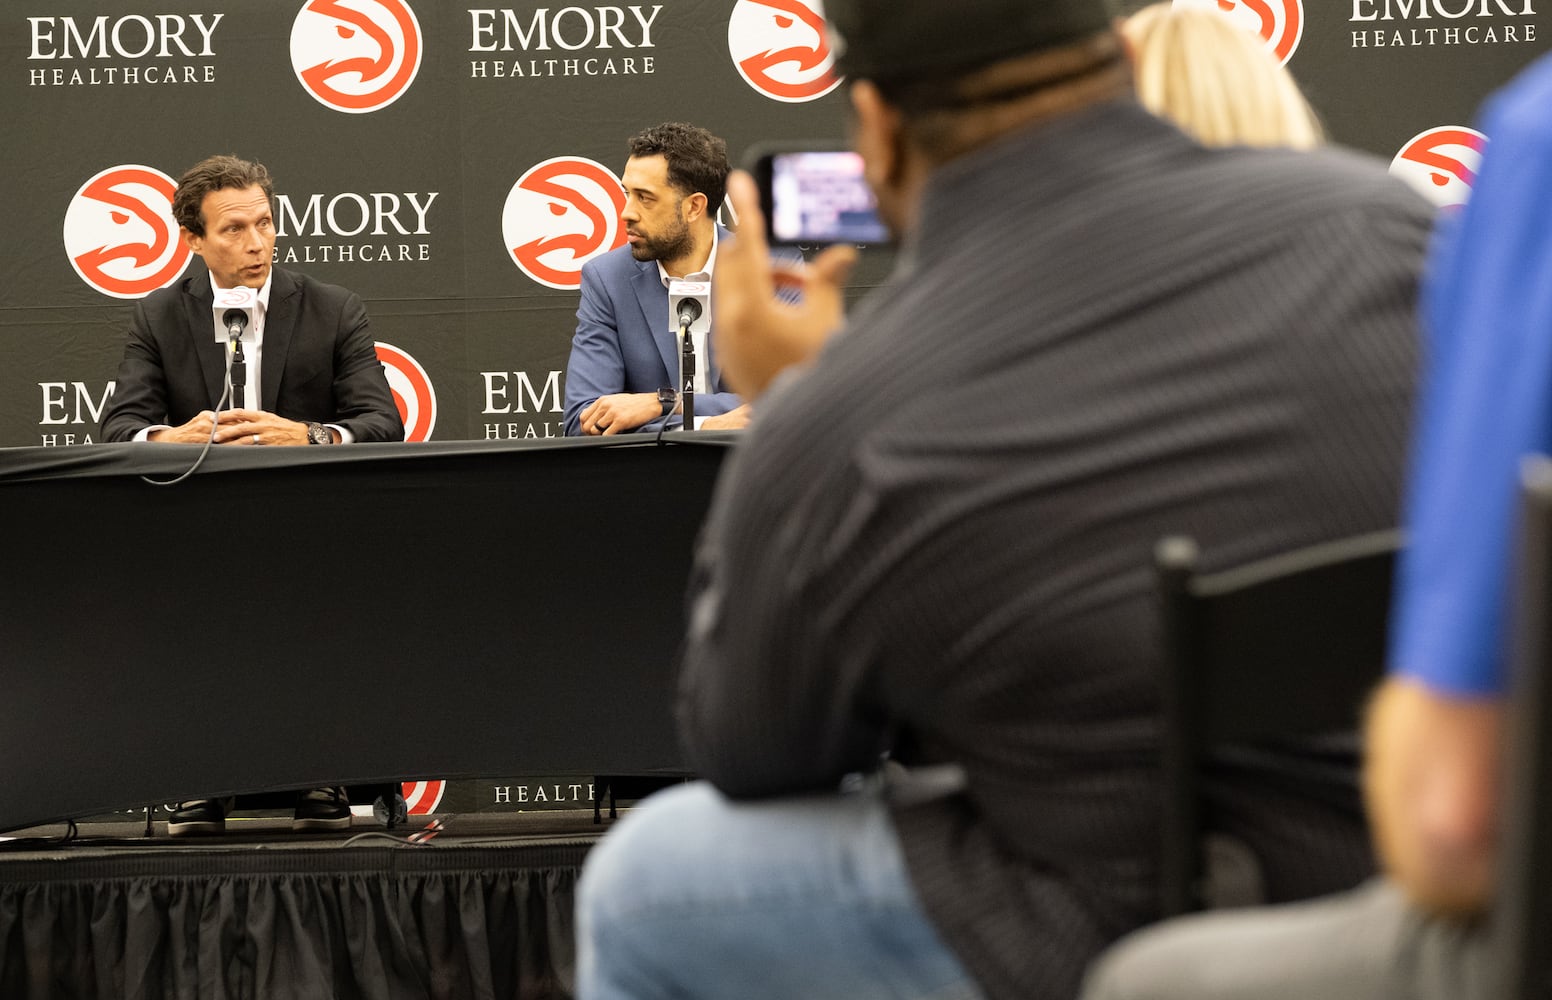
{"points": [[818, 197]]}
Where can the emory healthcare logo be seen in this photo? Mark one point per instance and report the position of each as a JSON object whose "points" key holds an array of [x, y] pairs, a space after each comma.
{"points": [[1280, 23], [561, 214], [356, 56], [780, 48], [120, 235], [422, 797], [412, 391], [1442, 163]]}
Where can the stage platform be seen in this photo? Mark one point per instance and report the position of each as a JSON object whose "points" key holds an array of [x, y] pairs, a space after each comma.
{"points": [[448, 906]]}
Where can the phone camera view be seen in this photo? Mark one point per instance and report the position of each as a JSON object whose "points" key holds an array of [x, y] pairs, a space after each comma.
{"points": [[821, 197]]}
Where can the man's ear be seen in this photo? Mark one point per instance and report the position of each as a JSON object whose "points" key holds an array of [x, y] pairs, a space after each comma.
{"points": [[194, 243], [695, 207], [879, 137]]}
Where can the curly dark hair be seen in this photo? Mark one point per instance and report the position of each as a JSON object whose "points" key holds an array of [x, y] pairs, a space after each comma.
{"points": [[697, 160], [215, 173]]}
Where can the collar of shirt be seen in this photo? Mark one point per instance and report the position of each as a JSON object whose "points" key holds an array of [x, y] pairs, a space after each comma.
{"points": [[704, 274]]}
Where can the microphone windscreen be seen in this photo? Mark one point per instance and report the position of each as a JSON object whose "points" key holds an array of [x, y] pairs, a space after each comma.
{"points": [[689, 302]]}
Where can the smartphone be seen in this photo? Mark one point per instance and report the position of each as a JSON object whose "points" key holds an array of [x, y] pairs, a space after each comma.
{"points": [[815, 195]]}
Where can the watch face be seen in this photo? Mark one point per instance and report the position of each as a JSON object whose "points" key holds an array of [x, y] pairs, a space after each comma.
{"points": [[318, 434]]}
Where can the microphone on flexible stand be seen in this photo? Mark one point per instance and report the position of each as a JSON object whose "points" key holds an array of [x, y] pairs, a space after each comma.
{"points": [[689, 309], [689, 305], [236, 320]]}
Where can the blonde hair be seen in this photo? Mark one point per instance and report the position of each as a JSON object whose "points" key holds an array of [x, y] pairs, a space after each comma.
{"points": [[1216, 80]]}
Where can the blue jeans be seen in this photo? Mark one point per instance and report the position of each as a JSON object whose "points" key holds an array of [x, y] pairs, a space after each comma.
{"points": [[695, 895]]}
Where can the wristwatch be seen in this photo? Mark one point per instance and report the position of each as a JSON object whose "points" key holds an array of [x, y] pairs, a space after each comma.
{"points": [[668, 399], [318, 434]]}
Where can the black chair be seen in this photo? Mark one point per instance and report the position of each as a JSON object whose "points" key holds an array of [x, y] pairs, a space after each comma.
{"points": [[1276, 650], [1522, 906]]}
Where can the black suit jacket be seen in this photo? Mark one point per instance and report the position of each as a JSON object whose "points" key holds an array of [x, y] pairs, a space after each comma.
{"points": [[319, 360]]}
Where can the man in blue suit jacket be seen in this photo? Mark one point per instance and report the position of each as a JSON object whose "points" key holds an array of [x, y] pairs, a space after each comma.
{"points": [[624, 366]]}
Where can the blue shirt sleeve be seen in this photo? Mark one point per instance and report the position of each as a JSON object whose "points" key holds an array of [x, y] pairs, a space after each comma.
{"points": [[1486, 402]]}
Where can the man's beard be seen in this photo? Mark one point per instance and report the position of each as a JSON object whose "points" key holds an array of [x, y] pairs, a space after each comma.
{"points": [[669, 246]]}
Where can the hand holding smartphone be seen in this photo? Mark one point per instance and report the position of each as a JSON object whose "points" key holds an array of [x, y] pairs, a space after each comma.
{"points": [[815, 195]]}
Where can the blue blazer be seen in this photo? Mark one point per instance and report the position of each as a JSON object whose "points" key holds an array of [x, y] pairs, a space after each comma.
{"points": [[623, 342]]}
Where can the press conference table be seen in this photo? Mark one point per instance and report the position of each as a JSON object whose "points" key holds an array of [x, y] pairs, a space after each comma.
{"points": [[296, 617]]}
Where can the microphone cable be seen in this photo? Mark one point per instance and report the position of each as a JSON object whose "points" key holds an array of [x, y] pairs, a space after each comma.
{"points": [[226, 394]]}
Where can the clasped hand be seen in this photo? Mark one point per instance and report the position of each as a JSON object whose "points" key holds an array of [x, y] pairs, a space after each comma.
{"points": [[235, 427]]}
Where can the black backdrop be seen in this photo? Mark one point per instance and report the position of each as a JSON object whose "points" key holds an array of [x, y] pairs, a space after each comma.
{"points": [[407, 194]]}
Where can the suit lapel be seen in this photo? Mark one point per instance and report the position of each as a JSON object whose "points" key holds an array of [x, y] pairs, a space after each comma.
{"points": [[199, 314], [653, 299], [285, 296]]}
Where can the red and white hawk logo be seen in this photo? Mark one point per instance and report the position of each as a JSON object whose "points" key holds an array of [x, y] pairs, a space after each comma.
{"points": [[780, 49], [561, 214], [356, 56], [1442, 163], [1280, 23], [120, 235], [412, 391]]}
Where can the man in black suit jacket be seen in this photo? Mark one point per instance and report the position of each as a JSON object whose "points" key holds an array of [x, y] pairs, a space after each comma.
{"points": [[309, 349], [312, 363]]}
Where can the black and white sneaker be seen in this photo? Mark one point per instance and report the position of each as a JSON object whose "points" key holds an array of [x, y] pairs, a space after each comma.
{"points": [[322, 809], [197, 818]]}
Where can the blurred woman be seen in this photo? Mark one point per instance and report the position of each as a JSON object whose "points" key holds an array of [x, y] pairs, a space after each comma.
{"points": [[1216, 80]]}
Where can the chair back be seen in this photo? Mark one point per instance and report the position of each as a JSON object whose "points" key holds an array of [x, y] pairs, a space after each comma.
{"points": [[1522, 908], [1285, 647]]}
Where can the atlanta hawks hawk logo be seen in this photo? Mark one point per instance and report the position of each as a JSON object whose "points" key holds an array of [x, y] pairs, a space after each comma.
{"points": [[120, 235], [355, 56], [1442, 163], [1280, 23], [561, 214], [412, 391], [422, 797], [780, 49]]}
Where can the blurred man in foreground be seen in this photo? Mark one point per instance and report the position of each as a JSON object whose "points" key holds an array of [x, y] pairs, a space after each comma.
{"points": [[934, 543]]}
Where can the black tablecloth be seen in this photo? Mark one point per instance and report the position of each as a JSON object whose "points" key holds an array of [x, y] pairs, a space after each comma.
{"points": [[294, 617]]}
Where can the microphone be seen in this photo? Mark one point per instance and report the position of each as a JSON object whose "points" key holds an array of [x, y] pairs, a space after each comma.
{"points": [[689, 305], [239, 304], [689, 313], [235, 321]]}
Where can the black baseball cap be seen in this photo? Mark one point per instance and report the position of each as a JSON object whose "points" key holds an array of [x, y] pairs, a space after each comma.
{"points": [[900, 40]]}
